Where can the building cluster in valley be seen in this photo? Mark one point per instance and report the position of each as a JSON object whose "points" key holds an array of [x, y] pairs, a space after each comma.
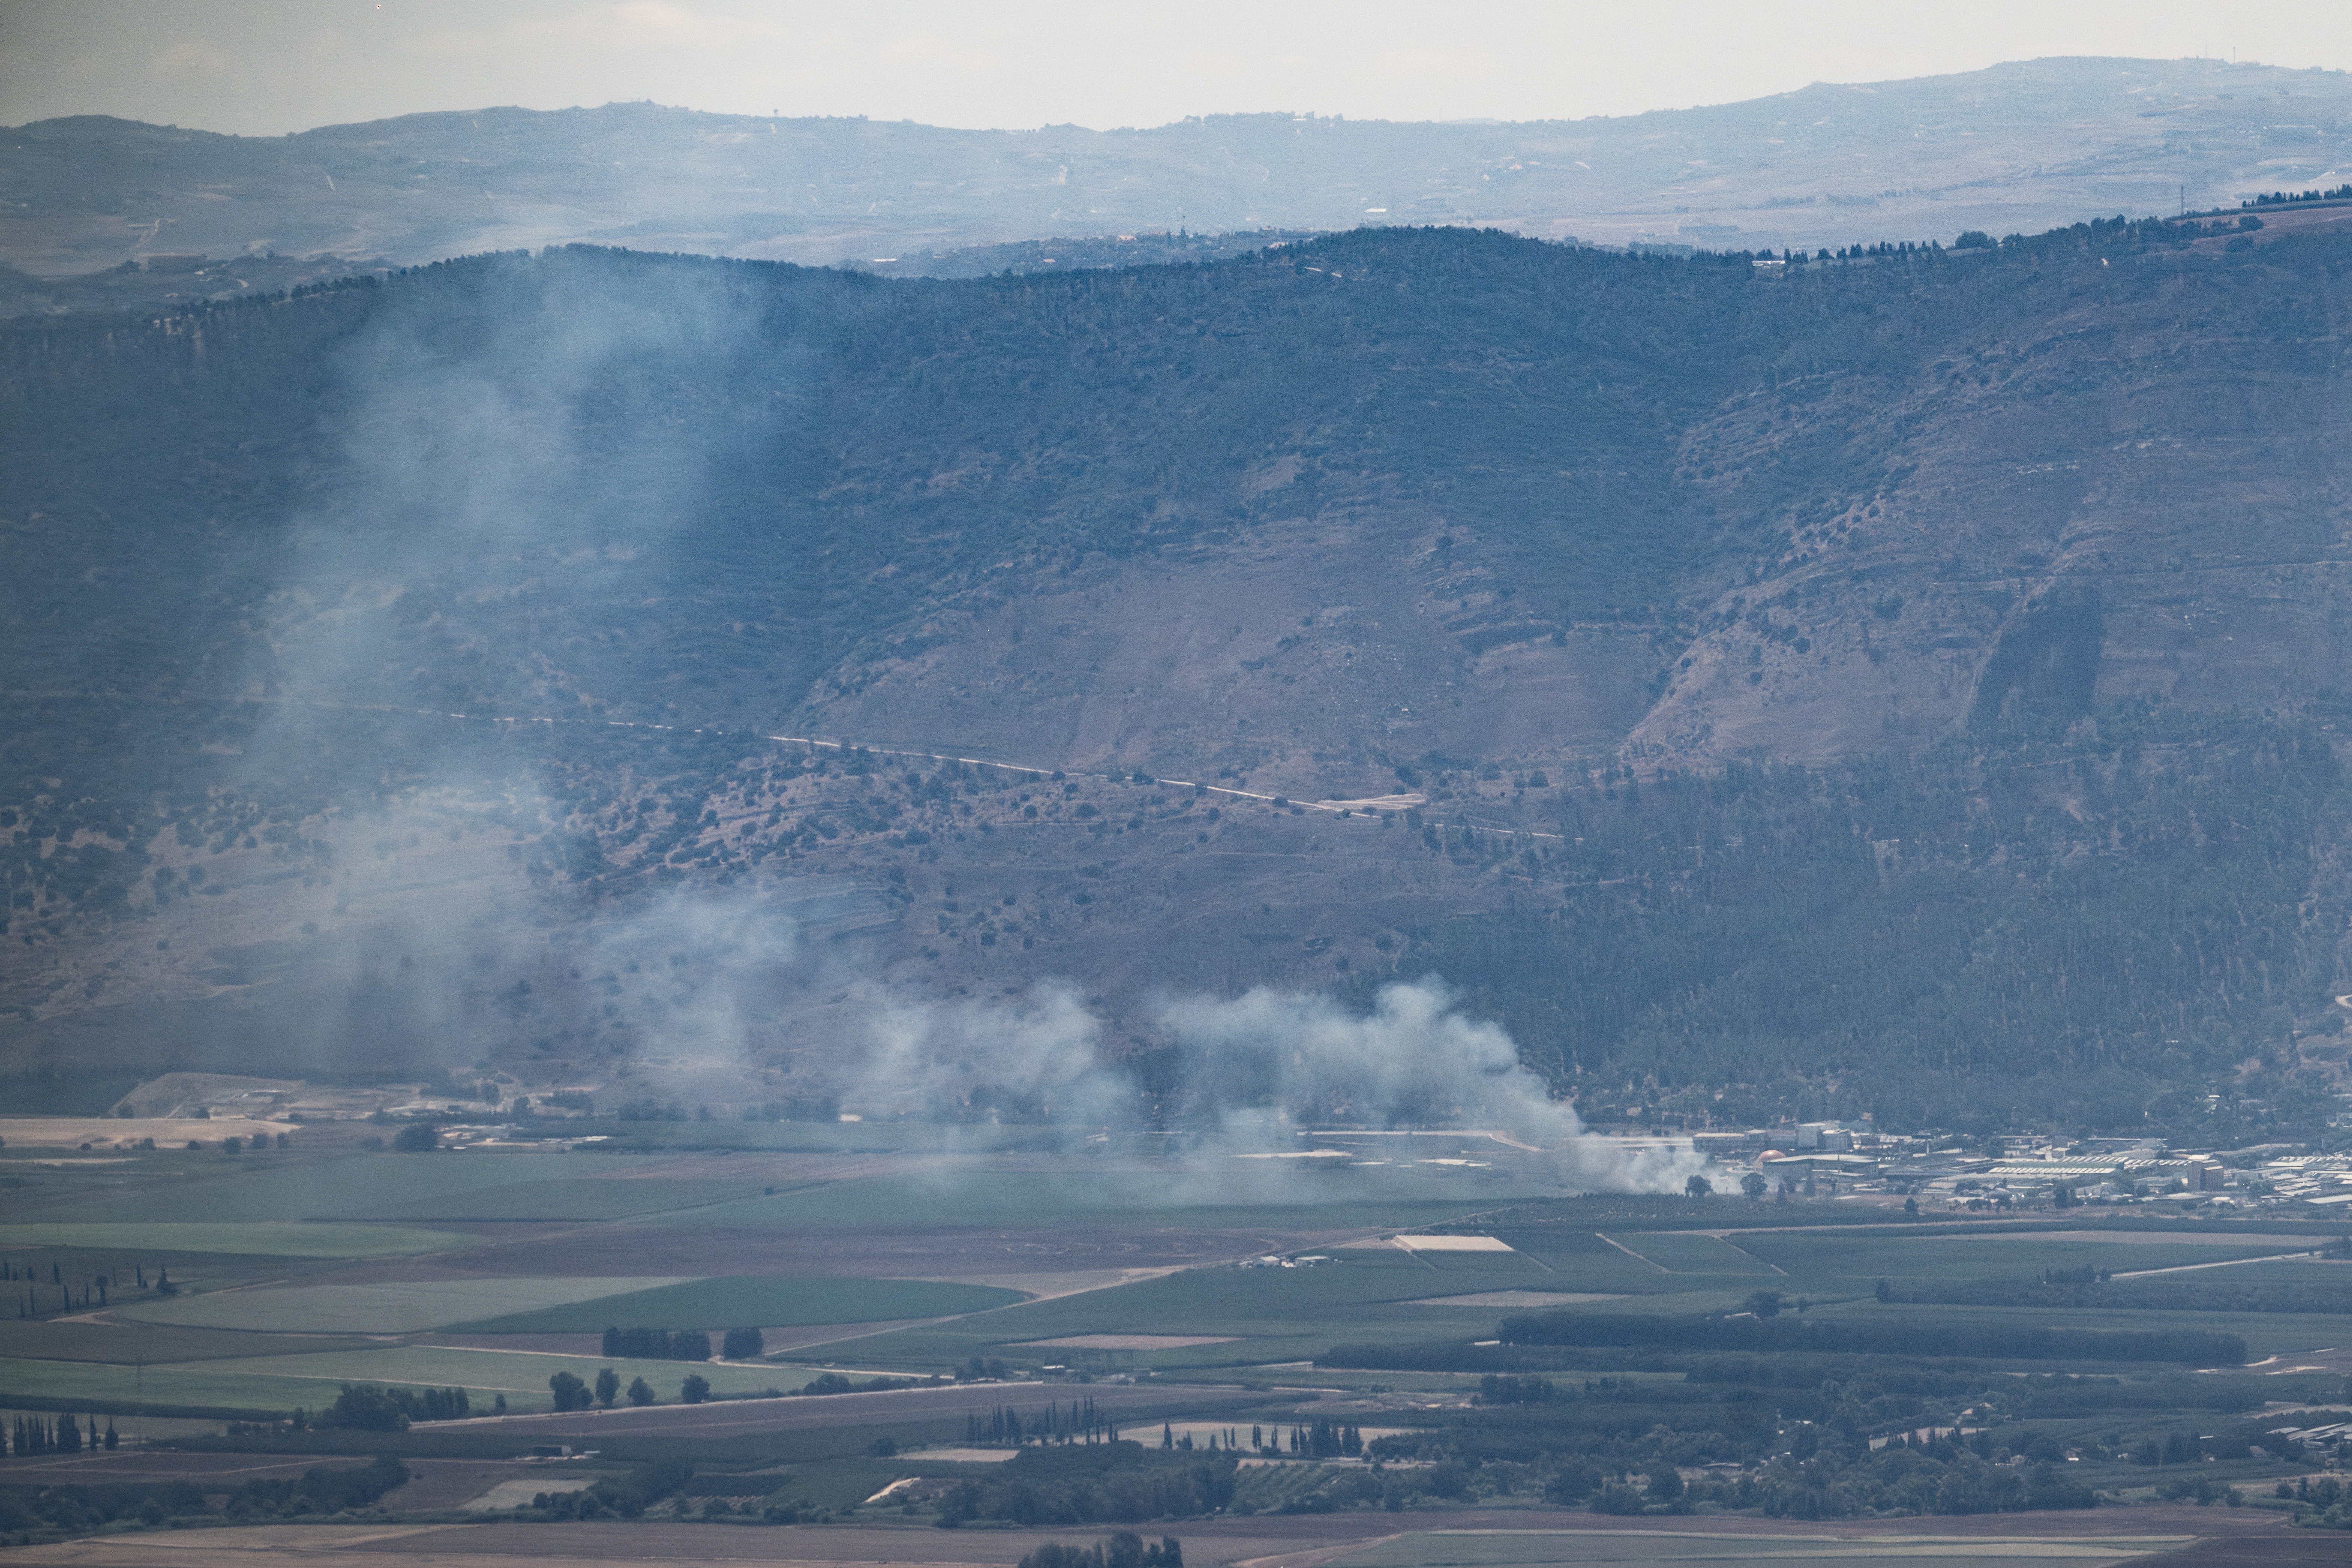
{"points": [[1829, 1158]]}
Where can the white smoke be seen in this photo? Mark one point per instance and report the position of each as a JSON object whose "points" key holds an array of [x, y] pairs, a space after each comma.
{"points": [[1260, 1069], [1415, 1060], [488, 455], [1039, 1053], [1412, 1061]]}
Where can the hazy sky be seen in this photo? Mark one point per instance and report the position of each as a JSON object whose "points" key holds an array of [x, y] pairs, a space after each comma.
{"points": [[264, 66]]}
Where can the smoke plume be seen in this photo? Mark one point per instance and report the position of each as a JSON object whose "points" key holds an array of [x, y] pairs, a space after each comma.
{"points": [[1255, 1072]]}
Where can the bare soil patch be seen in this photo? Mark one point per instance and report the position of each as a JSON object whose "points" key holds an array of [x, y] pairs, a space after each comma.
{"points": [[454, 1483], [108, 1132], [506, 1496], [157, 1465]]}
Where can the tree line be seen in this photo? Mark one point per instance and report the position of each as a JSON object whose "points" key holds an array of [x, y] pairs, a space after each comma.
{"points": [[365, 1407], [667, 1344], [1082, 1423], [1125, 1549], [31, 1436], [1121, 1482], [320, 1493], [1917, 1337]]}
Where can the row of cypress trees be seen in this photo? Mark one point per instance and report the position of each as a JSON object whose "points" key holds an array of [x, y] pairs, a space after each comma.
{"points": [[32, 1436]]}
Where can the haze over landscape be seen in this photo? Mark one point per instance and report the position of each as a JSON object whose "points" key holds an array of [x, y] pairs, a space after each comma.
{"points": [[954, 761]]}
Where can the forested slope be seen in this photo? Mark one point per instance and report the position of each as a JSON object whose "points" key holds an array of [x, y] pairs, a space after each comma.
{"points": [[1861, 685]]}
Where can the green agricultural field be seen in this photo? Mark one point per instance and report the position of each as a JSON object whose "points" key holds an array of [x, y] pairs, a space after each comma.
{"points": [[844, 1483], [1689, 1252], [1693, 1295], [1581, 1260], [270, 1239], [1289, 1209], [1209, 1300], [1828, 1261], [950, 1197], [280, 1187], [405, 1307], [2294, 1271], [282, 1382], [1260, 1314], [1557, 1243], [625, 1139], [743, 1302], [604, 1196], [2280, 1334], [122, 1265], [126, 1343]]}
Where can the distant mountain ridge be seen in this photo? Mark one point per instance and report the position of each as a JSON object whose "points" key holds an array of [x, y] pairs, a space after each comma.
{"points": [[2018, 147]]}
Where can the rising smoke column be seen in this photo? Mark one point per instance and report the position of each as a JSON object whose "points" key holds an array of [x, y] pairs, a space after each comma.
{"points": [[1413, 1060], [1042, 1050], [1261, 1066]]}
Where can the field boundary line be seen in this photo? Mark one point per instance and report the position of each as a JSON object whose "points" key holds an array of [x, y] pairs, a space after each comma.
{"points": [[1631, 1253], [2225, 1263], [1752, 1257], [1315, 1557]]}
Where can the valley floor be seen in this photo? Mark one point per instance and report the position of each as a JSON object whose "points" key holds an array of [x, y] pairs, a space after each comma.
{"points": [[1469, 1540]]}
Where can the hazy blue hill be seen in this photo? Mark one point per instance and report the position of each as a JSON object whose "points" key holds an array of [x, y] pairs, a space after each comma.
{"points": [[813, 460], [2018, 147]]}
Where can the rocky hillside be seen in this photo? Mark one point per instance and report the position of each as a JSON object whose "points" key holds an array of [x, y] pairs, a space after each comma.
{"points": [[1734, 679]]}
